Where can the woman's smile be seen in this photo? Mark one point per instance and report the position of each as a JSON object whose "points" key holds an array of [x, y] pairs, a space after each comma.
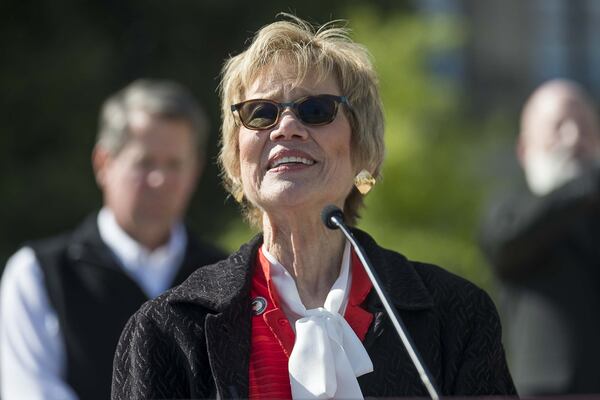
{"points": [[289, 160]]}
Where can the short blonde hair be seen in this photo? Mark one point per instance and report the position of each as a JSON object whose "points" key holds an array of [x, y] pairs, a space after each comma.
{"points": [[325, 51]]}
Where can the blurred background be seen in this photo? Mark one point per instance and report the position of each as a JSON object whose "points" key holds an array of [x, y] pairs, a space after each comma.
{"points": [[454, 74]]}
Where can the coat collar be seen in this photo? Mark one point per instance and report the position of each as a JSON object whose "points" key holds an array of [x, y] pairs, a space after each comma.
{"points": [[216, 286], [224, 290], [399, 276], [219, 285]]}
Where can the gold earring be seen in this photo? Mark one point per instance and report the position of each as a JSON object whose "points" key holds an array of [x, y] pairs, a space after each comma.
{"points": [[364, 181]]}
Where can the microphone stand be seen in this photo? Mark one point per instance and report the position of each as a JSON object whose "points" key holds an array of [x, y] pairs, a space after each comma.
{"points": [[333, 218]]}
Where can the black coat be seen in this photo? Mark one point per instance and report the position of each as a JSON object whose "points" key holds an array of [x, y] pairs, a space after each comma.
{"points": [[545, 252], [194, 340]]}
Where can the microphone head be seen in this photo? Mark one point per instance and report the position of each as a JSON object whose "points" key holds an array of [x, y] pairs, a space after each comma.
{"points": [[330, 212]]}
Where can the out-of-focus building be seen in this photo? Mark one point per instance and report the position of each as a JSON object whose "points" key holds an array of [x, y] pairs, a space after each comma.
{"points": [[512, 46]]}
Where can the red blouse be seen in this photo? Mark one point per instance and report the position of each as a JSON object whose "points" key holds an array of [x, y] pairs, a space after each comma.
{"points": [[273, 338]]}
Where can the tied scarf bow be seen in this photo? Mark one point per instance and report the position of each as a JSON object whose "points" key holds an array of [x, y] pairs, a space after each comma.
{"points": [[327, 356]]}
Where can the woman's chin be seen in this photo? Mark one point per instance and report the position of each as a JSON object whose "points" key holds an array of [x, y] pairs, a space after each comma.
{"points": [[295, 203], [287, 200]]}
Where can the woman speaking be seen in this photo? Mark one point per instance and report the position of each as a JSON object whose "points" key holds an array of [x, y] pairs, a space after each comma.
{"points": [[293, 314]]}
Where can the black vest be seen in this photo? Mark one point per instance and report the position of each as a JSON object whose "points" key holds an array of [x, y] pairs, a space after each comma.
{"points": [[94, 298]]}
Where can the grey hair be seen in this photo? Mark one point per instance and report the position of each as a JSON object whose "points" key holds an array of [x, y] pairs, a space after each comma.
{"points": [[162, 98]]}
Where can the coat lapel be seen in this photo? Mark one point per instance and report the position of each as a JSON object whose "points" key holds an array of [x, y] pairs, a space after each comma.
{"points": [[224, 289], [401, 282], [229, 359], [398, 275], [414, 303]]}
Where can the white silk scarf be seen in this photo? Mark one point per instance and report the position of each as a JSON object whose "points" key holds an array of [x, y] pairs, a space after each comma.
{"points": [[327, 356]]}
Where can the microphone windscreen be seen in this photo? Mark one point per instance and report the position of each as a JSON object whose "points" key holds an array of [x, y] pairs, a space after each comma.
{"points": [[330, 211]]}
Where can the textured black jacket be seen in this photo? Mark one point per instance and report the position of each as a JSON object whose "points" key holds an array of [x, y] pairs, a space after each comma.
{"points": [[93, 298], [194, 340]]}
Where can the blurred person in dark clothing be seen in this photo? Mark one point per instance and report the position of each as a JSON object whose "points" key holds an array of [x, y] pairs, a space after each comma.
{"points": [[65, 300], [544, 246]]}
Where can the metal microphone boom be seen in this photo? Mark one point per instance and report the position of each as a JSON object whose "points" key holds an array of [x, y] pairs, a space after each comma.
{"points": [[333, 218]]}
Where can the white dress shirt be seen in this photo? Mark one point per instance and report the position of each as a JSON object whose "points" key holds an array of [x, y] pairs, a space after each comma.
{"points": [[32, 349]]}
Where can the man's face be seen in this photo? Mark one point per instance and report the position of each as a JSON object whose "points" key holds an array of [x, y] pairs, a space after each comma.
{"points": [[149, 182], [559, 140], [562, 123]]}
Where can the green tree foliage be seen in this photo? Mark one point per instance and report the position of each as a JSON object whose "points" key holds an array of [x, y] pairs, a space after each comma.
{"points": [[427, 205]]}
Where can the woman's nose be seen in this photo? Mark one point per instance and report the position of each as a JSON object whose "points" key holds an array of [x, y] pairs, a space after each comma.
{"points": [[289, 127]]}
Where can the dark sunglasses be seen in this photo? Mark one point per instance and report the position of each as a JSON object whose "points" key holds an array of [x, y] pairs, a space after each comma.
{"points": [[311, 110]]}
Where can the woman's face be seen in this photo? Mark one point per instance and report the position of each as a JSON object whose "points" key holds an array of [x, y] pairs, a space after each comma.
{"points": [[292, 165]]}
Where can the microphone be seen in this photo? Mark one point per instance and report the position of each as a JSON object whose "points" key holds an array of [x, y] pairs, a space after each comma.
{"points": [[333, 218]]}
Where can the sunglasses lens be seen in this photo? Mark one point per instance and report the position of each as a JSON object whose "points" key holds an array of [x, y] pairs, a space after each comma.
{"points": [[258, 114], [317, 110], [312, 110]]}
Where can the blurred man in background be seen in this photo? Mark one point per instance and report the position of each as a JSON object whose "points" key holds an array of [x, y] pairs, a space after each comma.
{"points": [[545, 246], [65, 300]]}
